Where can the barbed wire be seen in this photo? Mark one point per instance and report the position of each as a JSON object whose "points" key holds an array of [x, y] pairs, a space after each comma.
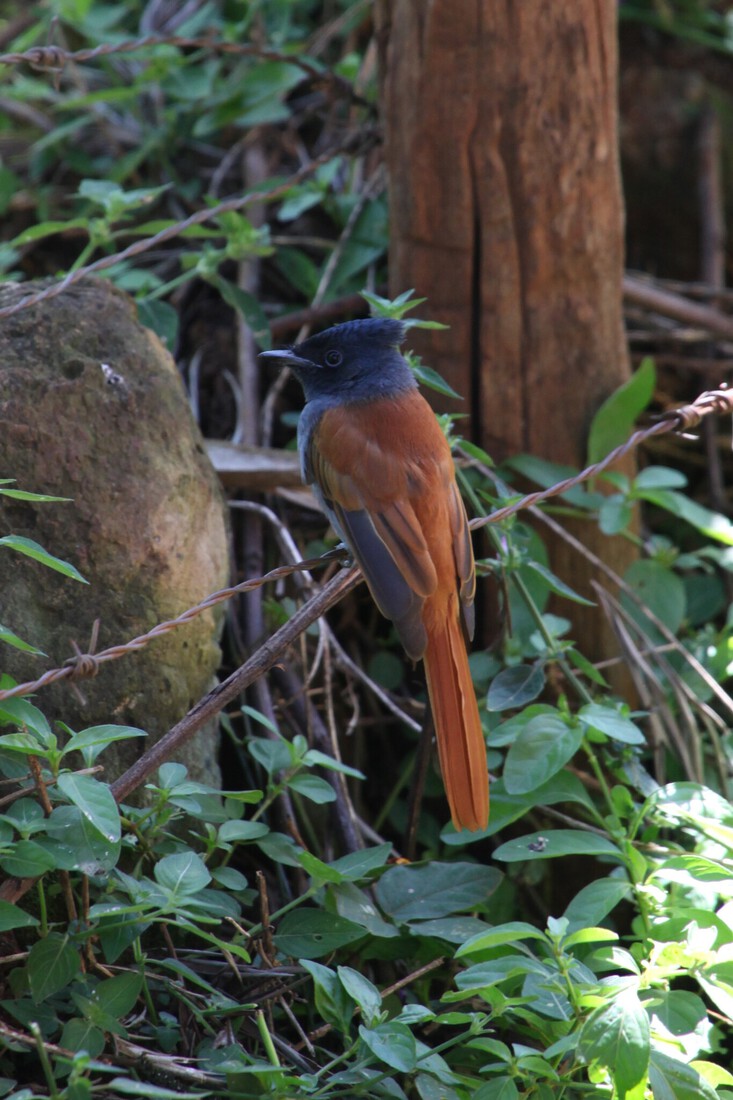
{"points": [[52, 58], [680, 420], [86, 665]]}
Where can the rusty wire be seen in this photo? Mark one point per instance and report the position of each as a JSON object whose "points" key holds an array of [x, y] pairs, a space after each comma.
{"points": [[84, 665], [680, 420], [53, 59]]}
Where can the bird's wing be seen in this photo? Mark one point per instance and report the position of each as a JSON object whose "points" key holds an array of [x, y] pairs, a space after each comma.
{"points": [[385, 475]]}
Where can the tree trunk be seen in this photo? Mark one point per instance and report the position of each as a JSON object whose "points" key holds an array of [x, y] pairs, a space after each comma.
{"points": [[506, 213]]}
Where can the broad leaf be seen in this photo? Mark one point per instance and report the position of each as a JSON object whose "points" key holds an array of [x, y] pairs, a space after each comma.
{"points": [[516, 686], [614, 421], [52, 963], [435, 889], [557, 842], [391, 1043], [183, 873], [617, 1035], [545, 744], [311, 933], [94, 800]]}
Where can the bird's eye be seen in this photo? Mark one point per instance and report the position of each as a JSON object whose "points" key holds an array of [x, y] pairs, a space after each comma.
{"points": [[333, 358]]}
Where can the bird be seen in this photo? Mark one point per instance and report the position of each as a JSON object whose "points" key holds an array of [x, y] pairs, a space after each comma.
{"points": [[381, 468]]}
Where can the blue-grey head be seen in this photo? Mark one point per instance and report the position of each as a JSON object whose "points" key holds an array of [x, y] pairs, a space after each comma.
{"points": [[355, 361]]}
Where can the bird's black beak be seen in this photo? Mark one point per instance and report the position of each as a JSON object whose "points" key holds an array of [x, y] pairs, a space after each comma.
{"points": [[286, 357]]}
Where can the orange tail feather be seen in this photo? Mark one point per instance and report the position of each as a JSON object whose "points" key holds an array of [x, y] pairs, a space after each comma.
{"points": [[461, 746]]}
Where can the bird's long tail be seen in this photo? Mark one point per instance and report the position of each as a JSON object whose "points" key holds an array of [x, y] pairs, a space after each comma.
{"points": [[461, 746]]}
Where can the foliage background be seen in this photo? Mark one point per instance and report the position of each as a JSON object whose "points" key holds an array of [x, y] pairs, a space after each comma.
{"points": [[228, 174]]}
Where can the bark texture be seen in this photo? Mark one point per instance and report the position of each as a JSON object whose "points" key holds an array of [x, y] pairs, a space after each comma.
{"points": [[506, 213]]}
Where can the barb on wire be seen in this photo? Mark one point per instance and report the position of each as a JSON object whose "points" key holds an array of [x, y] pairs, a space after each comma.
{"points": [[53, 58], [83, 665], [675, 420]]}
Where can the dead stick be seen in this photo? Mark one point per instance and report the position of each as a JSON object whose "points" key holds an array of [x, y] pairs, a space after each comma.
{"points": [[650, 297], [259, 663]]}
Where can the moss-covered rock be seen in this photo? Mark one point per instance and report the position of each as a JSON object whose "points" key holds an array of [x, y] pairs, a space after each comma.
{"points": [[146, 525]]}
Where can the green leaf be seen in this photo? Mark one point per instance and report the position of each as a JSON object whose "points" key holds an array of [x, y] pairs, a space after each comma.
{"points": [[363, 992], [434, 381], [312, 787], [661, 590], [608, 720], [274, 756], [511, 932], [557, 585], [660, 477], [674, 1080], [32, 550], [13, 917], [498, 1088], [48, 229], [589, 935], [542, 748], [453, 929], [161, 317], [10, 638], [356, 865], [434, 890], [547, 474], [52, 963], [94, 800], [319, 871], [689, 866], [367, 243], [117, 996], [556, 842], [617, 1036], [80, 846], [391, 1043], [310, 933], [356, 905], [81, 1034], [232, 831], [229, 878], [712, 524], [249, 308], [678, 1010], [615, 514], [183, 873], [614, 421], [315, 756], [331, 999], [127, 1087], [91, 741], [516, 686], [595, 901], [21, 712], [27, 860]]}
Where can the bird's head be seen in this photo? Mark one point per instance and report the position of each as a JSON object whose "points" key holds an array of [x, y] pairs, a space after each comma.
{"points": [[355, 361]]}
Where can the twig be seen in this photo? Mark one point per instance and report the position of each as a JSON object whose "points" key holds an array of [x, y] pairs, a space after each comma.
{"points": [[223, 693], [673, 305]]}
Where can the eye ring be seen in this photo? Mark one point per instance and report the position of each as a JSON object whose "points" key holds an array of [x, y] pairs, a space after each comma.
{"points": [[333, 358]]}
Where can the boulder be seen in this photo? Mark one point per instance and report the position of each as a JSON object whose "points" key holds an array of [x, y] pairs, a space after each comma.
{"points": [[92, 408]]}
